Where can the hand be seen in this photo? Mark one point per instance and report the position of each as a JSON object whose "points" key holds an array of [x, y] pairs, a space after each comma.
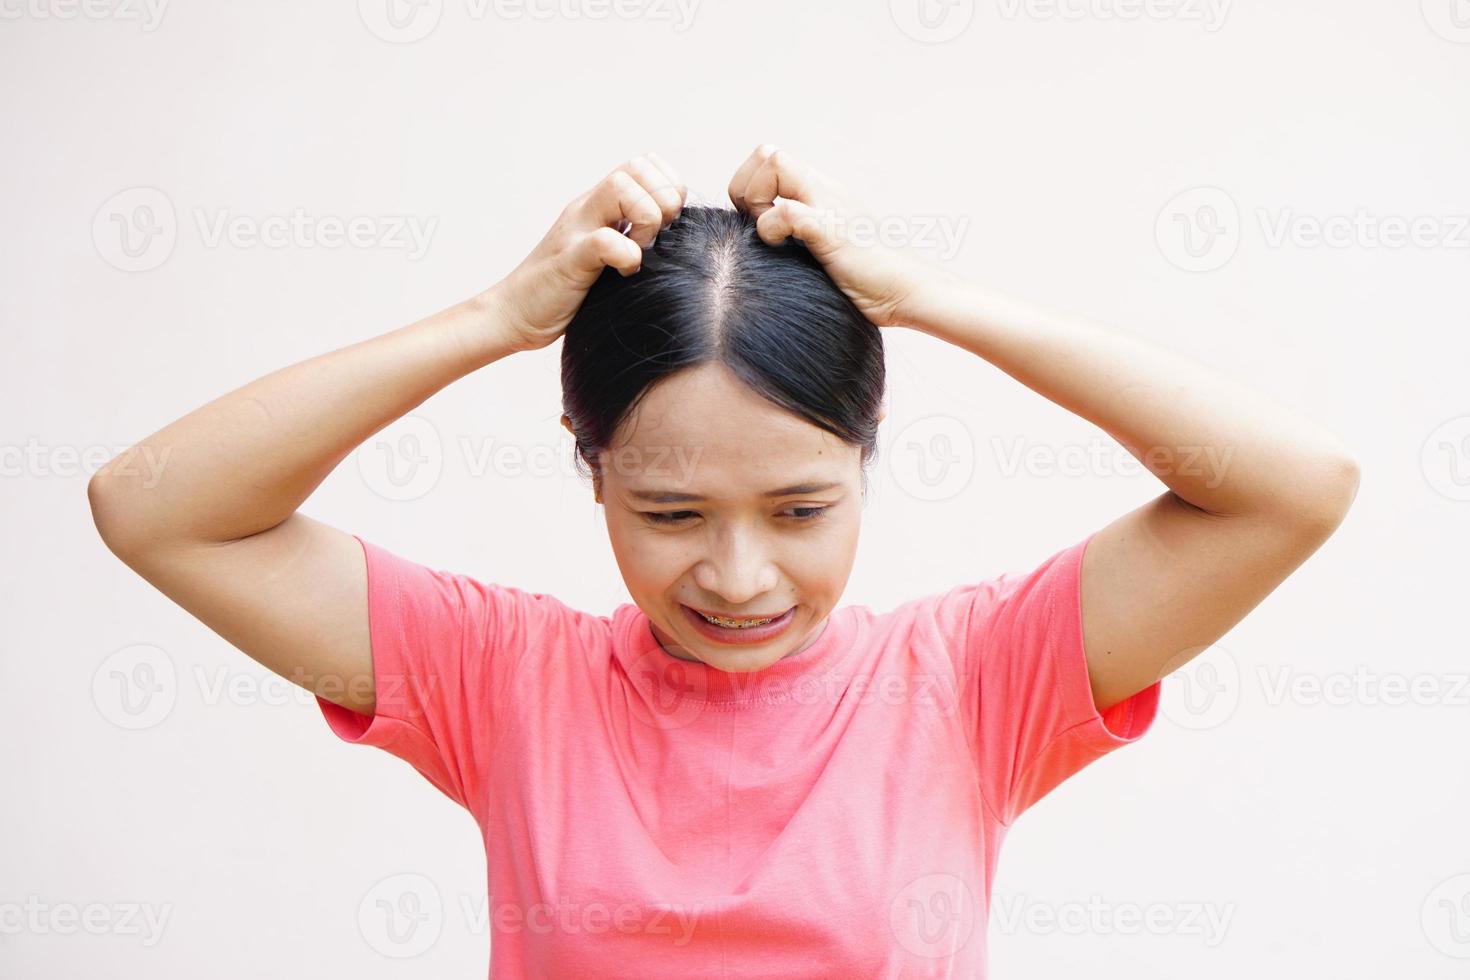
{"points": [[790, 199], [610, 225]]}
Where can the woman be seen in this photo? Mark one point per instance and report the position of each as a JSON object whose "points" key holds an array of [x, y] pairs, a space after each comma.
{"points": [[731, 776]]}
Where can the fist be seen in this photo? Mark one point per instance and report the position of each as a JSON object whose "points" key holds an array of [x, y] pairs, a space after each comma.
{"points": [[789, 199], [609, 226]]}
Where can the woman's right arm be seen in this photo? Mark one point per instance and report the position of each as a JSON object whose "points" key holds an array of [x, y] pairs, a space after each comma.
{"points": [[212, 521]]}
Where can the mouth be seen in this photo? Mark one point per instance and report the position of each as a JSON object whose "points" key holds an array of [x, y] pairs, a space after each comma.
{"points": [[738, 630]]}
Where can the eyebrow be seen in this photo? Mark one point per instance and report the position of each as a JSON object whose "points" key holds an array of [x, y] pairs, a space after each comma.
{"points": [[669, 497]]}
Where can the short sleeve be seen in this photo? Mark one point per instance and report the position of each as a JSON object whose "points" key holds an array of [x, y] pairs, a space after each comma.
{"points": [[1019, 641], [443, 647]]}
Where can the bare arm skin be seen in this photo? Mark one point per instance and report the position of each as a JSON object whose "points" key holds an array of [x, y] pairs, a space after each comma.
{"points": [[1254, 490], [213, 524], [219, 533]]}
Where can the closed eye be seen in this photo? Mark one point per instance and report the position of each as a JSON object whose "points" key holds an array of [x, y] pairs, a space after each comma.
{"points": [[673, 517], [801, 515]]}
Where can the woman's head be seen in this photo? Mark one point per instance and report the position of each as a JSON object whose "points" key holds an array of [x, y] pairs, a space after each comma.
{"points": [[724, 370]]}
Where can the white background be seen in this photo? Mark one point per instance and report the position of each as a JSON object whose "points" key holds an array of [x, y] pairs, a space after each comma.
{"points": [[1329, 831]]}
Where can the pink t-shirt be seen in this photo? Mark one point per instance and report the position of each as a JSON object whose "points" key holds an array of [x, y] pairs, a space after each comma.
{"points": [[837, 814]]}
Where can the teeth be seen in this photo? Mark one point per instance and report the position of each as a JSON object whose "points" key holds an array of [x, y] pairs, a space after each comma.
{"points": [[734, 623]]}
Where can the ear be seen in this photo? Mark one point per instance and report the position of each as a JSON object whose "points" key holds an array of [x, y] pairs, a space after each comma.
{"points": [[566, 423], [882, 411]]}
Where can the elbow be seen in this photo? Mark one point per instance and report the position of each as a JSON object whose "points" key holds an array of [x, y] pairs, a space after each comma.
{"points": [[1334, 488], [108, 513], [103, 514]]}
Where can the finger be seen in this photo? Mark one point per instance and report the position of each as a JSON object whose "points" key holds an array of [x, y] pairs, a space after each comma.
{"points": [[672, 175], [780, 175], [619, 197], [607, 247], [789, 218], [743, 173], [657, 184]]}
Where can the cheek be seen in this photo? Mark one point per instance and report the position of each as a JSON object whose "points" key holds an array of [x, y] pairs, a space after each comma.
{"points": [[651, 558], [822, 555], [839, 550]]}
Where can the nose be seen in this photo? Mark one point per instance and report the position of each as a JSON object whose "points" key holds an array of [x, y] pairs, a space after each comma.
{"points": [[738, 571]]}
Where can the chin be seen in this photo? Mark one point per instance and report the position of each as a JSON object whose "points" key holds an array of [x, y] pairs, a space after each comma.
{"points": [[741, 661]]}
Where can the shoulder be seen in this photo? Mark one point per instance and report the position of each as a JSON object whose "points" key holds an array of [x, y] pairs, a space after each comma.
{"points": [[955, 618]]}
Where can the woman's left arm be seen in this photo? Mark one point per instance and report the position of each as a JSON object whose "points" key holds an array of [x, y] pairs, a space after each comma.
{"points": [[1254, 490]]}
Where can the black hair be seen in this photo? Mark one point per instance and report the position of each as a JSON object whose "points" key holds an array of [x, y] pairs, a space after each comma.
{"points": [[710, 290]]}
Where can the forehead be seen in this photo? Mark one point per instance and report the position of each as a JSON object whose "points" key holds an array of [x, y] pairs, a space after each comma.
{"points": [[703, 429]]}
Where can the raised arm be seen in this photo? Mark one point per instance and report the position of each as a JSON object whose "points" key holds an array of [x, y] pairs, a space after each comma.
{"points": [[212, 521], [1254, 490], [218, 533]]}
